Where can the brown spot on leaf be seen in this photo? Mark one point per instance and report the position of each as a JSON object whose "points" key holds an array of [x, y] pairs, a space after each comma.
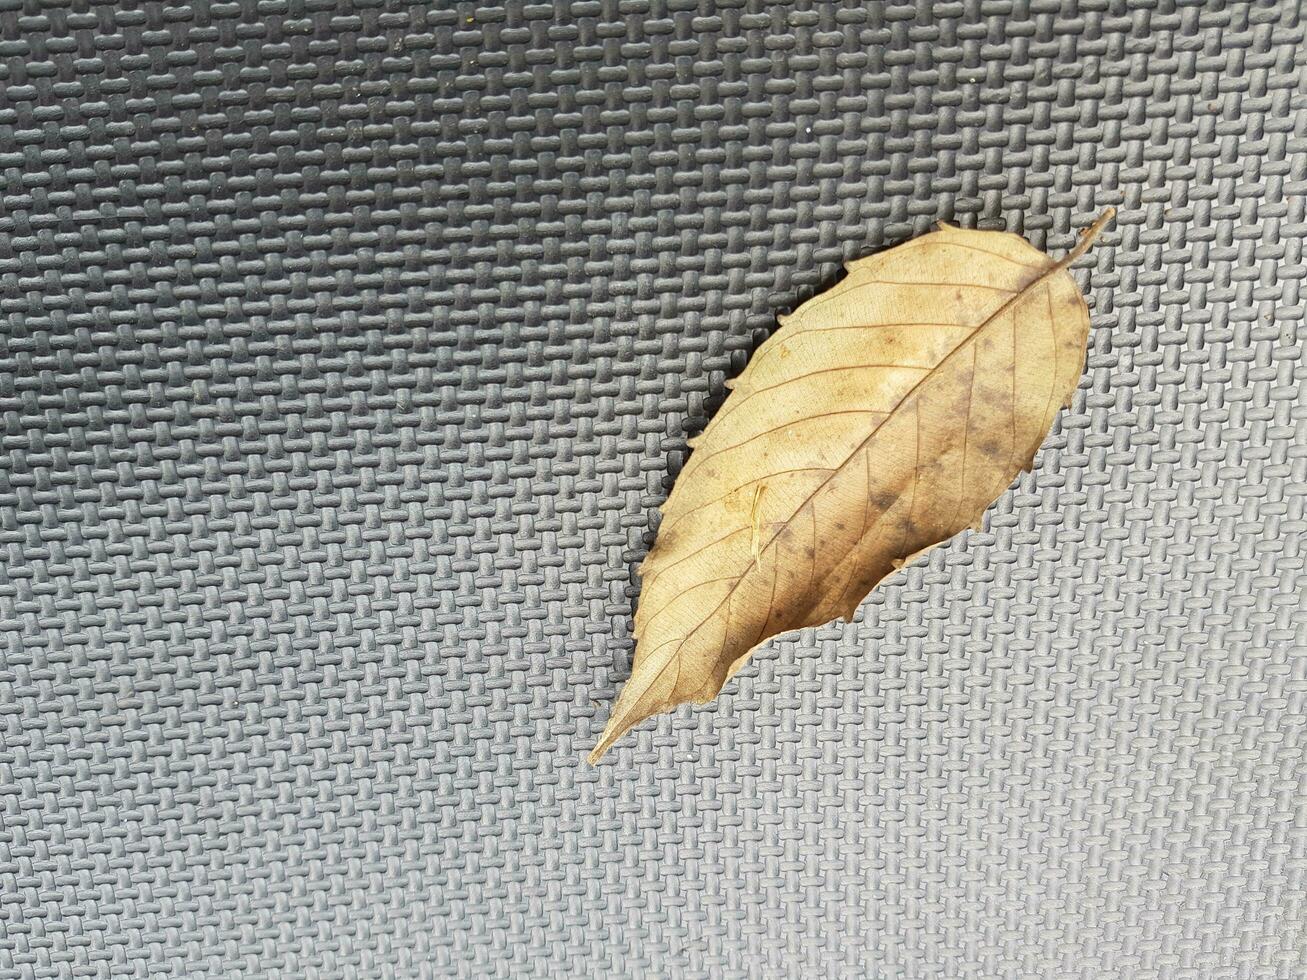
{"points": [[882, 500]]}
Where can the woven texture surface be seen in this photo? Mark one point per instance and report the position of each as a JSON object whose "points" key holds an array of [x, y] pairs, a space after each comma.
{"points": [[346, 351]]}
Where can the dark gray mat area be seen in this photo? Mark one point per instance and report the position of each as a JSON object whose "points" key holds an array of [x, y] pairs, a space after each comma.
{"points": [[346, 351]]}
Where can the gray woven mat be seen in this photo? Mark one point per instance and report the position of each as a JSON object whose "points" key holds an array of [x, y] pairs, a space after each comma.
{"points": [[345, 352]]}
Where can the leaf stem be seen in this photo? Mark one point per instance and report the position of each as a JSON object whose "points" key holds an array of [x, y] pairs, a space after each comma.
{"points": [[1088, 237]]}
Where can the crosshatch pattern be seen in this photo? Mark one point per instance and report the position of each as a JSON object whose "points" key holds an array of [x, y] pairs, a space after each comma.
{"points": [[346, 351]]}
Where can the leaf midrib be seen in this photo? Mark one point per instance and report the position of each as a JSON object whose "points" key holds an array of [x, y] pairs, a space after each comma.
{"points": [[1016, 298]]}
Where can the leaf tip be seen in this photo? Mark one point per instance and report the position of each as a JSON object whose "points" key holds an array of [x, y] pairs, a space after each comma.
{"points": [[612, 732], [596, 754], [621, 721]]}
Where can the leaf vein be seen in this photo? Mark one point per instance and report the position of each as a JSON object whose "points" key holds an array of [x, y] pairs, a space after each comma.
{"points": [[664, 528], [984, 251], [646, 620], [657, 573], [750, 392], [966, 437], [692, 467], [1052, 382], [941, 285]]}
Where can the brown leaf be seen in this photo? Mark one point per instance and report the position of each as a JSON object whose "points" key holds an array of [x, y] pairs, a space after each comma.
{"points": [[882, 418]]}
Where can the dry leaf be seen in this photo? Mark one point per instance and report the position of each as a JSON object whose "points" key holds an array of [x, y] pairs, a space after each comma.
{"points": [[882, 418]]}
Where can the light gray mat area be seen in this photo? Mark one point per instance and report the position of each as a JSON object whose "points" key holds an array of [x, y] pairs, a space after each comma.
{"points": [[346, 351]]}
